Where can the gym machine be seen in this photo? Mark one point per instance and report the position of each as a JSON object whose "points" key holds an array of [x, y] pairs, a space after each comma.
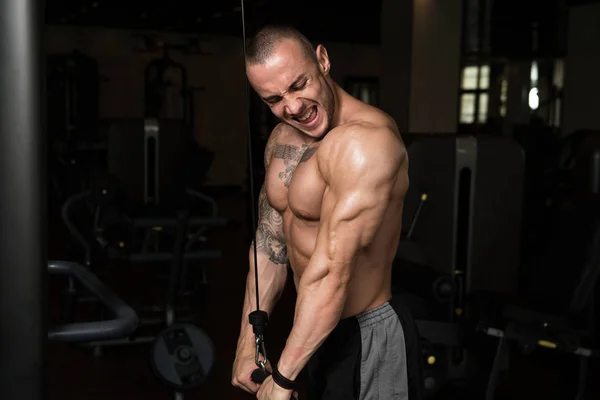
{"points": [[457, 244], [142, 213], [149, 175], [461, 251]]}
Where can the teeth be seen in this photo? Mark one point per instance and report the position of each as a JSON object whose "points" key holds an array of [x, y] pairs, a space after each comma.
{"points": [[307, 116]]}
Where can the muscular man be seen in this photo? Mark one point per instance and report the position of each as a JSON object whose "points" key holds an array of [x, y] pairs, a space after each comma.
{"points": [[330, 209]]}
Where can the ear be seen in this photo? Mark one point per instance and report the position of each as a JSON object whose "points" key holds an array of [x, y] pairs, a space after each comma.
{"points": [[323, 59]]}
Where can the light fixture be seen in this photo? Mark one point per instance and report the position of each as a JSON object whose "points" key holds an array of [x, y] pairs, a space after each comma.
{"points": [[534, 99]]}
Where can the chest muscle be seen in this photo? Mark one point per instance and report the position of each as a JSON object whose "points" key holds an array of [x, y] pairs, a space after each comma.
{"points": [[293, 182]]}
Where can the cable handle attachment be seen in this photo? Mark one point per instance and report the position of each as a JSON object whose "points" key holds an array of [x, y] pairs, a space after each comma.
{"points": [[259, 320]]}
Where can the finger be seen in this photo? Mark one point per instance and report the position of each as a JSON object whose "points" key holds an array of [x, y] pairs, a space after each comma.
{"points": [[246, 385], [295, 394], [252, 387]]}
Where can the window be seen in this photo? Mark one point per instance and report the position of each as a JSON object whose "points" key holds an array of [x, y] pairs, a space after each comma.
{"points": [[474, 98], [503, 96], [467, 108], [363, 88]]}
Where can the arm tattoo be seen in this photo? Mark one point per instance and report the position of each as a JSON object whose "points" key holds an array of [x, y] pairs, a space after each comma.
{"points": [[308, 153], [291, 156], [269, 150], [269, 237]]}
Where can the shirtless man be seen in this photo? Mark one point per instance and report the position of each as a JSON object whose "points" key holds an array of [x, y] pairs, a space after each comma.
{"points": [[330, 208]]}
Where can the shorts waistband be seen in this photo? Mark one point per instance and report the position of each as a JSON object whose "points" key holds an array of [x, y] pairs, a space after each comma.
{"points": [[375, 315], [366, 318]]}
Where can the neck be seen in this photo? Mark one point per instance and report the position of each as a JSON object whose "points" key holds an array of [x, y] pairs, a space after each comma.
{"points": [[341, 115]]}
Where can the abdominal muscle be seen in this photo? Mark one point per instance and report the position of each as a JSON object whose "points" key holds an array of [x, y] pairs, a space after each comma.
{"points": [[369, 285]]}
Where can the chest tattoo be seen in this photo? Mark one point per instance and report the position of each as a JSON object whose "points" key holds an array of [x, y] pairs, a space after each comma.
{"points": [[291, 156]]}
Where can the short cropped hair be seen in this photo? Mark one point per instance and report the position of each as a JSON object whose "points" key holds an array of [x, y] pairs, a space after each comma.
{"points": [[262, 45]]}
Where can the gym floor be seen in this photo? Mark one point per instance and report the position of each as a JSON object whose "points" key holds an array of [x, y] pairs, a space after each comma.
{"points": [[124, 372]]}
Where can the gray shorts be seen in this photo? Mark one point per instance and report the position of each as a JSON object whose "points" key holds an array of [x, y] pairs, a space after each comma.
{"points": [[372, 356]]}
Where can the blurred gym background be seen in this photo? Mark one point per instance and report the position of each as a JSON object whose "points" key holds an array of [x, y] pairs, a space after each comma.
{"points": [[148, 183]]}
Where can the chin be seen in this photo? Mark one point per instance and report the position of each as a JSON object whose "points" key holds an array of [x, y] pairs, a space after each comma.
{"points": [[316, 133], [320, 131], [319, 134]]}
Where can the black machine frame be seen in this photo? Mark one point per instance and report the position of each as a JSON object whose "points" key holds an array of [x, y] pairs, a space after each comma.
{"points": [[22, 202]]}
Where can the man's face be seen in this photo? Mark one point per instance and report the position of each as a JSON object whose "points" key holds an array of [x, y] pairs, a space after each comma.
{"points": [[294, 87]]}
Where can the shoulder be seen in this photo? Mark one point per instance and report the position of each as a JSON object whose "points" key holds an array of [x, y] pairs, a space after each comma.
{"points": [[281, 134], [371, 131], [361, 146]]}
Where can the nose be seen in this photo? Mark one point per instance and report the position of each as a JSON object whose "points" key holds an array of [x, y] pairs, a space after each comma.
{"points": [[293, 106]]}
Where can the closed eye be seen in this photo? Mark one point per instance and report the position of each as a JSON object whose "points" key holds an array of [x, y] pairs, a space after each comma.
{"points": [[272, 99], [299, 86], [296, 86]]}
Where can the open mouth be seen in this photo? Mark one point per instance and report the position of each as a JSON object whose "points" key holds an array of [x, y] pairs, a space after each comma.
{"points": [[308, 117]]}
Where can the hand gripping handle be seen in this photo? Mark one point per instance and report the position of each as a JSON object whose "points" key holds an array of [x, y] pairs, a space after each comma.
{"points": [[259, 376]]}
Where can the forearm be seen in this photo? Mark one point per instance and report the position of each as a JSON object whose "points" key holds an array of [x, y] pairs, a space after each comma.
{"points": [[271, 281], [319, 306]]}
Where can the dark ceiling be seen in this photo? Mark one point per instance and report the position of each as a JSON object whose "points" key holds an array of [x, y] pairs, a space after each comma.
{"points": [[320, 20], [326, 20]]}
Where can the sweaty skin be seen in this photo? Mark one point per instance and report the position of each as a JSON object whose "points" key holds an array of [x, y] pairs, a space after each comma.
{"points": [[330, 208]]}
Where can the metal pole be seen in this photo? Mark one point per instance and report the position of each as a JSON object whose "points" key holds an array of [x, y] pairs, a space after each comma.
{"points": [[22, 202]]}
